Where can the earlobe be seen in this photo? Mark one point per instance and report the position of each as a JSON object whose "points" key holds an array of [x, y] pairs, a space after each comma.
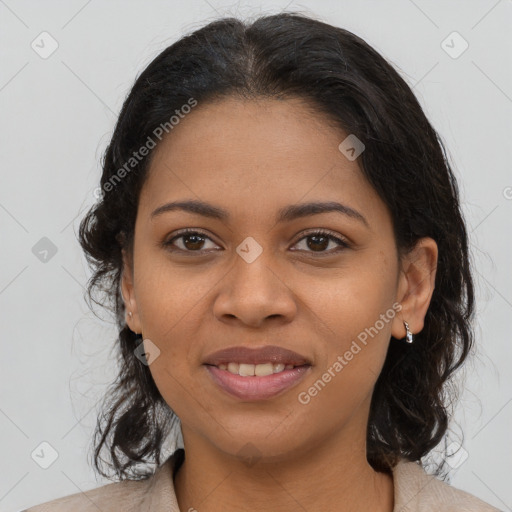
{"points": [[128, 294], [416, 286]]}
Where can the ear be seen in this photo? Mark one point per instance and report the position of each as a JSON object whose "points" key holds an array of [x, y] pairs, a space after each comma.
{"points": [[128, 293], [416, 284]]}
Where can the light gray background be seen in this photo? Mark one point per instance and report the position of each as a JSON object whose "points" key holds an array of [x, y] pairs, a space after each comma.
{"points": [[56, 117]]}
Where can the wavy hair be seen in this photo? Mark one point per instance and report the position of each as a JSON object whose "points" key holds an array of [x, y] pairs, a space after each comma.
{"points": [[282, 56]]}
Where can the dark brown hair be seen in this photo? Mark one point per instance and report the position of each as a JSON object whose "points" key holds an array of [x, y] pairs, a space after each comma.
{"points": [[283, 56]]}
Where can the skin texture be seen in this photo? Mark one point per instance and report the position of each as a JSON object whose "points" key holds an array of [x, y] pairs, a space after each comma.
{"points": [[251, 158]]}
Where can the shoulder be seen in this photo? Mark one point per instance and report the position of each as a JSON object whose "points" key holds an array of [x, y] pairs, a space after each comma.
{"points": [[416, 491], [155, 493], [125, 495]]}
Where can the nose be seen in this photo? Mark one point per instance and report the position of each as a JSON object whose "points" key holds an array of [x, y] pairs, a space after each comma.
{"points": [[254, 293]]}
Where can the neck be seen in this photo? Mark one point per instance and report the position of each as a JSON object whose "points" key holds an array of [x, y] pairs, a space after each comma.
{"points": [[332, 476]]}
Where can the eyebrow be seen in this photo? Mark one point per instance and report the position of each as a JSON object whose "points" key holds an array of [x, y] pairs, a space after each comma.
{"points": [[286, 214]]}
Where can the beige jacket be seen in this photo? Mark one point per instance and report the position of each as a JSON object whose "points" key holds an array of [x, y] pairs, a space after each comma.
{"points": [[415, 491]]}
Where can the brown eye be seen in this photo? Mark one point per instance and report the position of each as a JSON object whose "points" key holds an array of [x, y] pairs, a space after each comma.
{"points": [[193, 242], [188, 241], [319, 241]]}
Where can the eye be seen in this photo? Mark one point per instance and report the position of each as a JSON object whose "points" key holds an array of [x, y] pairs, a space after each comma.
{"points": [[191, 240], [318, 241]]}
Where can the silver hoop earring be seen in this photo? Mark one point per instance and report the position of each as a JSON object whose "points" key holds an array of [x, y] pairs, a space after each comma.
{"points": [[408, 335]]}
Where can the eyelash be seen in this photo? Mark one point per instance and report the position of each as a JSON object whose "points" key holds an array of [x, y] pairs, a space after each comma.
{"points": [[343, 244]]}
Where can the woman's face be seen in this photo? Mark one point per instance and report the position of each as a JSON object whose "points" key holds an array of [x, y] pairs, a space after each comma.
{"points": [[254, 279]]}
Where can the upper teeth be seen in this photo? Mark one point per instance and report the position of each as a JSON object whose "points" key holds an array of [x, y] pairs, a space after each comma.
{"points": [[259, 370]]}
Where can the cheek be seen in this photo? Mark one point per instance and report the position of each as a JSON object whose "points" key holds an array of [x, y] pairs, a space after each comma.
{"points": [[353, 299], [171, 304], [355, 311], [169, 295]]}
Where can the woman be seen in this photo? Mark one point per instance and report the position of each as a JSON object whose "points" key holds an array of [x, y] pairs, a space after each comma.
{"points": [[280, 235]]}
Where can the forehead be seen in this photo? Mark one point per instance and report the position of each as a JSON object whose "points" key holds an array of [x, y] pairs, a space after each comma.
{"points": [[256, 154]]}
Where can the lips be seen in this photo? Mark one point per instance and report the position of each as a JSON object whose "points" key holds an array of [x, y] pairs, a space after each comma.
{"points": [[257, 388], [269, 353]]}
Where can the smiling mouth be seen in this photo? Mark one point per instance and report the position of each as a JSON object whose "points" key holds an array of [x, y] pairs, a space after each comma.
{"points": [[246, 385]]}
